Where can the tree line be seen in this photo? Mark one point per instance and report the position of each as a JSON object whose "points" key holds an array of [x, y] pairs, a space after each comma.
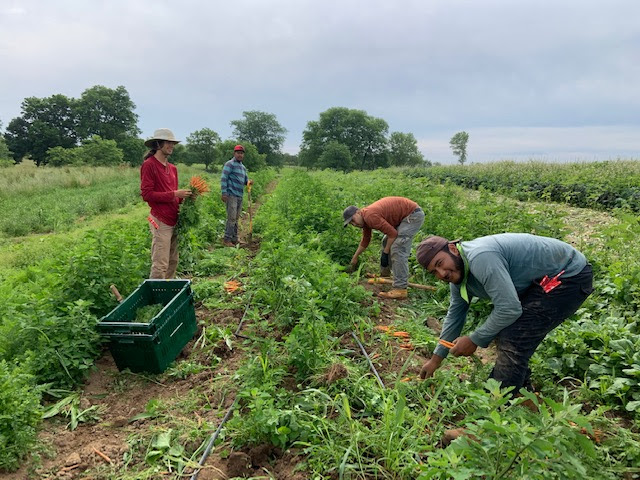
{"points": [[101, 128], [60, 121]]}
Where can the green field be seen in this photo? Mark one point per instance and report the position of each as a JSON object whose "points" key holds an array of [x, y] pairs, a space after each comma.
{"points": [[301, 391]]}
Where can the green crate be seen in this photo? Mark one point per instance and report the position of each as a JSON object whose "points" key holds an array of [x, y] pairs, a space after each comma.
{"points": [[151, 347], [148, 292]]}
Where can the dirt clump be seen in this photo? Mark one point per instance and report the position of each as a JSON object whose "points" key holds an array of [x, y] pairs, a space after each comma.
{"points": [[239, 465], [434, 324]]}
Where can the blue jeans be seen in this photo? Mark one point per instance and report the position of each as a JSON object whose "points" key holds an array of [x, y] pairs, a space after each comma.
{"points": [[234, 209], [541, 313]]}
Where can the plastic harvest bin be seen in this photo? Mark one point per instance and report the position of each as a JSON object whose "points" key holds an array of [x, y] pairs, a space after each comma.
{"points": [[151, 347]]}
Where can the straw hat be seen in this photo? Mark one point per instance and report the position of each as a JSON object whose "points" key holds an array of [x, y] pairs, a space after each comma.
{"points": [[161, 134]]}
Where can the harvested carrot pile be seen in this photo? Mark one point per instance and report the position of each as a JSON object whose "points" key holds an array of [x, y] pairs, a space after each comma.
{"points": [[404, 336], [232, 286], [189, 209]]}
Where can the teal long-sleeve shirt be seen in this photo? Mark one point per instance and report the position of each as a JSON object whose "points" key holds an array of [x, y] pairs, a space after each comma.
{"points": [[501, 267]]}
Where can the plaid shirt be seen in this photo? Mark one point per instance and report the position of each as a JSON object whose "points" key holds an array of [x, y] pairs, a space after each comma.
{"points": [[234, 178]]}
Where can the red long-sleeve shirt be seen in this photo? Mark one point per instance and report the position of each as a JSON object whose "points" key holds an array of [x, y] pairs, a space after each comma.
{"points": [[385, 215], [157, 186]]}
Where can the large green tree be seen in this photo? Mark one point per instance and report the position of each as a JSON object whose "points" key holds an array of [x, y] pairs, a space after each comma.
{"points": [[201, 147], [263, 130], [59, 157], [106, 112], [44, 123], [59, 121], [94, 151], [458, 144], [362, 134], [336, 156], [5, 154], [133, 149], [179, 155], [98, 151], [289, 159], [403, 150]]}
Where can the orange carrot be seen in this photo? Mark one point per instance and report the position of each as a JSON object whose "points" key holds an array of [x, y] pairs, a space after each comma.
{"points": [[102, 455], [199, 184], [444, 343], [401, 334]]}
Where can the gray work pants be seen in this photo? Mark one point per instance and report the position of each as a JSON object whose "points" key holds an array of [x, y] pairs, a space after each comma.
{"points": [[401, 248], [234, 209]]}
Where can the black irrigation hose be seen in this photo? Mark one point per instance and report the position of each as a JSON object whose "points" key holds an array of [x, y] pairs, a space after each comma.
{"points": [[207, 450], [236, 333], [375, 372]]}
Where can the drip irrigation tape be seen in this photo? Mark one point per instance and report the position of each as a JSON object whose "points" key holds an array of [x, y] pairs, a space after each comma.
{"points": [[364, 352], [207, 450], [242, 319]]}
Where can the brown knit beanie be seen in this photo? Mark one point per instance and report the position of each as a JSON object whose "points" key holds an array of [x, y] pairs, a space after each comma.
{"points": [[428, 249]]}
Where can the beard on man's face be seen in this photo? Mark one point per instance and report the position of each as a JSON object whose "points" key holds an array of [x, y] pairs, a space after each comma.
{"points": [[459, 266]]}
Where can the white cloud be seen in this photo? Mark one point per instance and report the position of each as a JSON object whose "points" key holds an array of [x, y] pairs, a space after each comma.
{"points": [[423, 66]]}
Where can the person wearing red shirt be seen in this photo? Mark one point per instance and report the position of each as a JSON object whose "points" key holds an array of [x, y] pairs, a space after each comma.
{"points": [[159, 188]]}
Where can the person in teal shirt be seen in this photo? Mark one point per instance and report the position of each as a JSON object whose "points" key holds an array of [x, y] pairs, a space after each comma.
{"points": [[533, 282], [232, 181]]}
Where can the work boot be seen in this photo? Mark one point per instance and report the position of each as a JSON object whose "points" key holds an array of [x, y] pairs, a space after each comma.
{"points": [[396, 293], [228, 243], [385, 271]]}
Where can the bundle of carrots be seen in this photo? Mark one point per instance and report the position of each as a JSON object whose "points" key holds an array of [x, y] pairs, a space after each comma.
{"points": [[189, 216], [198, 185], [232, 285]]}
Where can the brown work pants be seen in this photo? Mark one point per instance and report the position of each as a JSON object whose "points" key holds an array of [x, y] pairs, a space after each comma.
{"points": [[164, 250]]}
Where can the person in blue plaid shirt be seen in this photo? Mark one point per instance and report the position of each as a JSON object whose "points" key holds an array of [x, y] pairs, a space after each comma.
{"points": [[234, 178]]}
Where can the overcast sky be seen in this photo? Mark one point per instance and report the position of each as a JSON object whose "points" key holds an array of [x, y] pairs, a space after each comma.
{"points": [[553, 80]]}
